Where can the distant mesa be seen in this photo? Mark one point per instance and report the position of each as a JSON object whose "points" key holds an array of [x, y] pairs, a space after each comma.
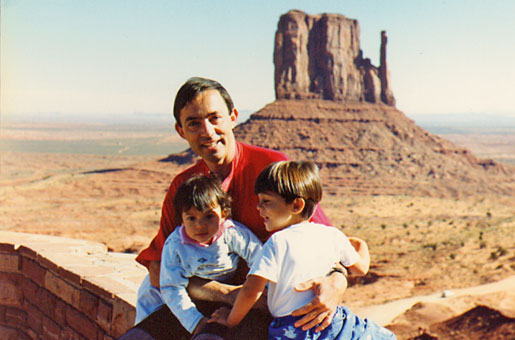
{"points": [[334, 107], [319, 57]]}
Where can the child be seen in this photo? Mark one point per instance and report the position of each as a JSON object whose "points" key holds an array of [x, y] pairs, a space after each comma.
{"points": [[207, 244], [299, 250]]}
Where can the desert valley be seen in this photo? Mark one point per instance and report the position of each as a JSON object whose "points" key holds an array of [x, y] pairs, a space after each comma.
{"points": [[437, 208]]}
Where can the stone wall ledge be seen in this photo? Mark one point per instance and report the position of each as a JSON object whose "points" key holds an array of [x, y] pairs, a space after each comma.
{"points": [[61, 288]]}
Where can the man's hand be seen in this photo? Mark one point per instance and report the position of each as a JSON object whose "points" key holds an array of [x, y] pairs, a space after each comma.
{"points": [[320, 311], [154, 270], [220, 315]]}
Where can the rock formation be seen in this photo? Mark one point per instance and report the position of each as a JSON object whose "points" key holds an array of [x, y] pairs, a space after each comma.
{"points": [[337, 109], [319, 57], [365, 148]]}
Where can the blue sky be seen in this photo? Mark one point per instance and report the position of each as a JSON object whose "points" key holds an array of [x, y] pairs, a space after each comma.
{"points": [[111, 57]]}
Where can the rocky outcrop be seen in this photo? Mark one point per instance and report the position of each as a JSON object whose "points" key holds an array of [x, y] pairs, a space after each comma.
{"points": [[365, 148], [319, 57]]}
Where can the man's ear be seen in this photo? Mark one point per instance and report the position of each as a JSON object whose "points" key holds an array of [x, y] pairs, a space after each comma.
{"points": [[179, 130], [298, 205], [234, 117]]}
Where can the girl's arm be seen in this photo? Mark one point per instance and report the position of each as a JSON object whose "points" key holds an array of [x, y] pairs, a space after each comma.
{"points": [[247, 297]]}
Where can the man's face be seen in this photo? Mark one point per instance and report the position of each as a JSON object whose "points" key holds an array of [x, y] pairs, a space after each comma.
{"points": [[207, 125]]}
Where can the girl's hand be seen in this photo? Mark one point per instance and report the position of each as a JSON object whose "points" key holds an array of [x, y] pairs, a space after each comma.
{"points": [[220, 315]]}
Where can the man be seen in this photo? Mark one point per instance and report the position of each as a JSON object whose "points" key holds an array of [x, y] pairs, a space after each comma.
{"points": [[205, 117]]}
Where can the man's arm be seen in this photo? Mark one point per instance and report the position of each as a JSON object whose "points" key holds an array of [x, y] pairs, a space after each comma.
{"points": [[214, 291], [154, 272]]}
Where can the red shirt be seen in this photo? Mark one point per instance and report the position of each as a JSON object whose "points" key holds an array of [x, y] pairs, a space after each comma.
{"points": [[248, 162]]}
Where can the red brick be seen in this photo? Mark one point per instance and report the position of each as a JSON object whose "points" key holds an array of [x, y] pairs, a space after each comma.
{"points": [[27, 252], [23, 335], [7, 248], [2, 314], [16, 317], [33, 335], [9, 263], [65, 291], [100, 334], [97, 290], [105, 315], [11, 293], [51, 330], [123, 317], [46, 302], [88, 304], [60, 312], [70, 334], [34, 318], [8, 333], [69, 276], [46, 263], [33, 271], [80, 323], [30, 291]]}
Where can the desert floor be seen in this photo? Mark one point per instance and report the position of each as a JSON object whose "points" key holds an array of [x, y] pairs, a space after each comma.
{"points": [[419, 245]]}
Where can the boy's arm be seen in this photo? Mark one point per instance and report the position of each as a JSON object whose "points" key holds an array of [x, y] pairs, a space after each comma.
{"points": [[361, 267], [248, 295]]}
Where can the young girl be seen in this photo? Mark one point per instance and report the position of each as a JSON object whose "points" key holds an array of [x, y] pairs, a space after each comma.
{"points": [[208, 245], [299, 250]]}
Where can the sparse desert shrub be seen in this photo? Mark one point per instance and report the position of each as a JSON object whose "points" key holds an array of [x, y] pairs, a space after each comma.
{"points": [[383, 226], [405, 225], [431, 246], [482, 245], [501, 251], [452, 256], [488, 214]]}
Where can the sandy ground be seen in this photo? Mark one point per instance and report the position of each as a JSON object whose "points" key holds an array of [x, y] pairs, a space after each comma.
{"points": [[419, 246]]}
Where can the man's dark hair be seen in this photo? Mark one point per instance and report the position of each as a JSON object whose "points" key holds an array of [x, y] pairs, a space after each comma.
{"points": [[203, 193], [192, 88], [291, 180]]}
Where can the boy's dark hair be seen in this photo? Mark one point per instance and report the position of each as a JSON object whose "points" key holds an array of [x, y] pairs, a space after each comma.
{"points": [[192, 88], [203, 193], [291, 180]]}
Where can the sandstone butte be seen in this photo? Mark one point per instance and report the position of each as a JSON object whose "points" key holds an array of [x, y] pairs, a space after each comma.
{"points": [[334, 107]]}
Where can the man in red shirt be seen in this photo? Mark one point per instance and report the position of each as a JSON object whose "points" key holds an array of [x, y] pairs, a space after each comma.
{"points": [[205, 117]]}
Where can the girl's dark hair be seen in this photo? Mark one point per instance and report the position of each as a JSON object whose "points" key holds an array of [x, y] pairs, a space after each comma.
{"points": [[203, 193], [192, 88], [292, 180]]}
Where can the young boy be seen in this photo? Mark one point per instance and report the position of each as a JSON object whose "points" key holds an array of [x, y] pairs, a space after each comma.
{"points": [[299, 250], [208, 245]]}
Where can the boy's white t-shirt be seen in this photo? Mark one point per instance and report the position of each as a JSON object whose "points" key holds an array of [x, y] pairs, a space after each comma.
{"points": [[296, 254]]}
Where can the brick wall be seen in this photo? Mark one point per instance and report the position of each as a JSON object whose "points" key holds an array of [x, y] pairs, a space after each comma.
{"points": [[58, 288]]}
